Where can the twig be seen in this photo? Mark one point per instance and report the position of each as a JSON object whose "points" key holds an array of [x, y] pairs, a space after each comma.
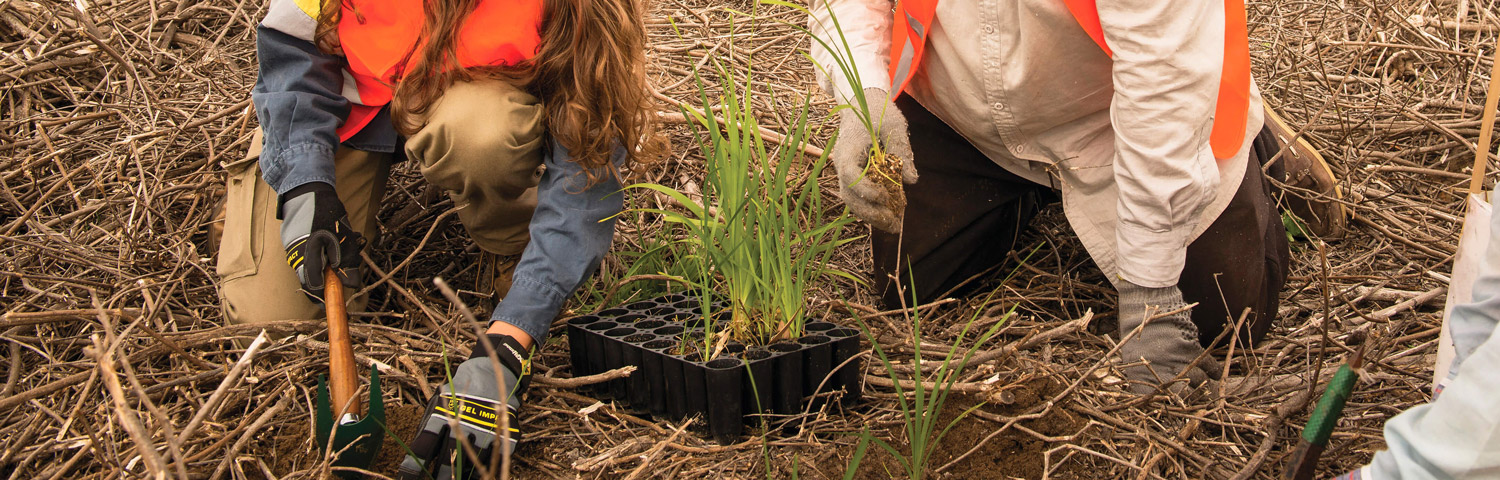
{"points": [[18, 319], [576, 382], [1388, 312], [248, 435], [218, 395], [655, 452], [1182, 436], [155, 465], [1271, 428]]}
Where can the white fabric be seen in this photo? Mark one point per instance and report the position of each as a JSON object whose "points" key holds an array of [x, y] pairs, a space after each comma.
{"points": [[1125, 140], [293, 17], [1471, 247]]}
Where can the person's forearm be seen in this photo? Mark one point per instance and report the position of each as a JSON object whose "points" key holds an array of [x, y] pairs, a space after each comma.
{"points": [[512, 331], [571, 232], [297, 100], [1166, 66]]}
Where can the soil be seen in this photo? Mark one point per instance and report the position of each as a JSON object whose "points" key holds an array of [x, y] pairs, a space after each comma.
{"points": [[401, 422], [885, 171], [297, 452], [294, 450], [1012, 454]]}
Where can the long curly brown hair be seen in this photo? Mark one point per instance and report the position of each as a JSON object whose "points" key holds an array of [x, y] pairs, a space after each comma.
{"points": [[589, 73]]}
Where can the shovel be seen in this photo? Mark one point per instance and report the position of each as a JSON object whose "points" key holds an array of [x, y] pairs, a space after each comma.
{"points": [[356, 439]]}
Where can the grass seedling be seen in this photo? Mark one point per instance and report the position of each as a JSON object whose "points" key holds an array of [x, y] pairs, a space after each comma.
{"points": [[860, 448], [920, 414]]}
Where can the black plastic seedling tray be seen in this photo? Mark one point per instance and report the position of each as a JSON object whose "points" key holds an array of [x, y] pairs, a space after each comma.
{"points": [[742, 385]]}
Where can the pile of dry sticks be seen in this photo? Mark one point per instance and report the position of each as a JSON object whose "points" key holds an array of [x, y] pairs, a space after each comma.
{"points": [[117, 115]]}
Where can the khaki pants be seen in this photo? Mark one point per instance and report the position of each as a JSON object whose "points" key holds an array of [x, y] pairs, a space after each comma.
{"points": [[482, 144]]}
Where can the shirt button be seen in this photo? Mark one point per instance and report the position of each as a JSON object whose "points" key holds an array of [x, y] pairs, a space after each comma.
{"points": [[989, 29]]}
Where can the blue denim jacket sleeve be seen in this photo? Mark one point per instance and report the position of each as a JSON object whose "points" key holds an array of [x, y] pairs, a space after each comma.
{"points": [[299, 106], [571, 231]]}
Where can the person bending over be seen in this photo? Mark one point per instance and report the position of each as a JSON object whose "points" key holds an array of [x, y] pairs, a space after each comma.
{"points": [[1141, 114], [523, 111]]}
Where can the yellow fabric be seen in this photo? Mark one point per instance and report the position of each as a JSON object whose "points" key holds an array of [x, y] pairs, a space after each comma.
{"points": [[310, 7]]}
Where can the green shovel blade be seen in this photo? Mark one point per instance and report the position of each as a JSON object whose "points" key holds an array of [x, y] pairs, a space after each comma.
{"points": [[356, 443]]}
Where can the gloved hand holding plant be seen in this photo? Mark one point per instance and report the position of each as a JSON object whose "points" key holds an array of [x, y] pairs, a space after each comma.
{"points": [[873, 158]]}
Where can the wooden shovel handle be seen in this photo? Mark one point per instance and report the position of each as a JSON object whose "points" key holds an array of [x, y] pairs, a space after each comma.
{"points": [[1487, 125], [341, 377]]}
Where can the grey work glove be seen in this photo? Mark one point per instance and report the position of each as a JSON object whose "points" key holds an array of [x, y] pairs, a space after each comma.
{"points": [[1168, 344], [852, 150], [474, 399], [316, 234]]}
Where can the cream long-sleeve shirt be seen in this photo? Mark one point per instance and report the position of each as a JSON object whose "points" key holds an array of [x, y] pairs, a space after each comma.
{"points": [[1125, 138]]}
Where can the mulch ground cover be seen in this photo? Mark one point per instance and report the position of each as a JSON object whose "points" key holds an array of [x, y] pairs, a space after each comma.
{"points": [[117, 116]]}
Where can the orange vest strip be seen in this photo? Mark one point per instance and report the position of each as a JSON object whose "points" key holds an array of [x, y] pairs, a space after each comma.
{"points": [[378, 37], [914, 19]]}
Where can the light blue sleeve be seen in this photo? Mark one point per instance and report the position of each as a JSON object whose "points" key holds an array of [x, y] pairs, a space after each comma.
{"points": [[1457, 435], [299, 106], [1470, 324]]}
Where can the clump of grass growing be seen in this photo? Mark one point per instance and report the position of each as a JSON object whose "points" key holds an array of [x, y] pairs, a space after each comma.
{"points": [[920, 414], [758, 230]]}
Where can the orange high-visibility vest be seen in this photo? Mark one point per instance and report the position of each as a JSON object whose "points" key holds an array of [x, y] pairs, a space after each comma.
{"points": [[914, 18], [377, 36]]}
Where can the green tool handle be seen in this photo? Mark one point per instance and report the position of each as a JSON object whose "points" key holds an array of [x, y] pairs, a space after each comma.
{"points": [[1304, 459], [1320, 425]]}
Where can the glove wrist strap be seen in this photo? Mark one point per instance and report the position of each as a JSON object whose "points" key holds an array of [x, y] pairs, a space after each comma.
{"points": [[511, 354]]}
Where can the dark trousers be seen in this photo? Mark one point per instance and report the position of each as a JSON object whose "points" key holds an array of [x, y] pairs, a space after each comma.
{"points": [[964, 215]]}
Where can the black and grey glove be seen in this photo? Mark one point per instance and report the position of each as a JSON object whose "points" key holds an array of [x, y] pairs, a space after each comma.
{"points": [[852, 151], [472, 401], [1168, 344], [316, 234]]}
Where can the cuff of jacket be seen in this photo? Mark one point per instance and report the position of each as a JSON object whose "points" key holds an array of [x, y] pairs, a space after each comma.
{"points": [[297, 165], [530, 305], [871, 75], [1151, 259]]}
